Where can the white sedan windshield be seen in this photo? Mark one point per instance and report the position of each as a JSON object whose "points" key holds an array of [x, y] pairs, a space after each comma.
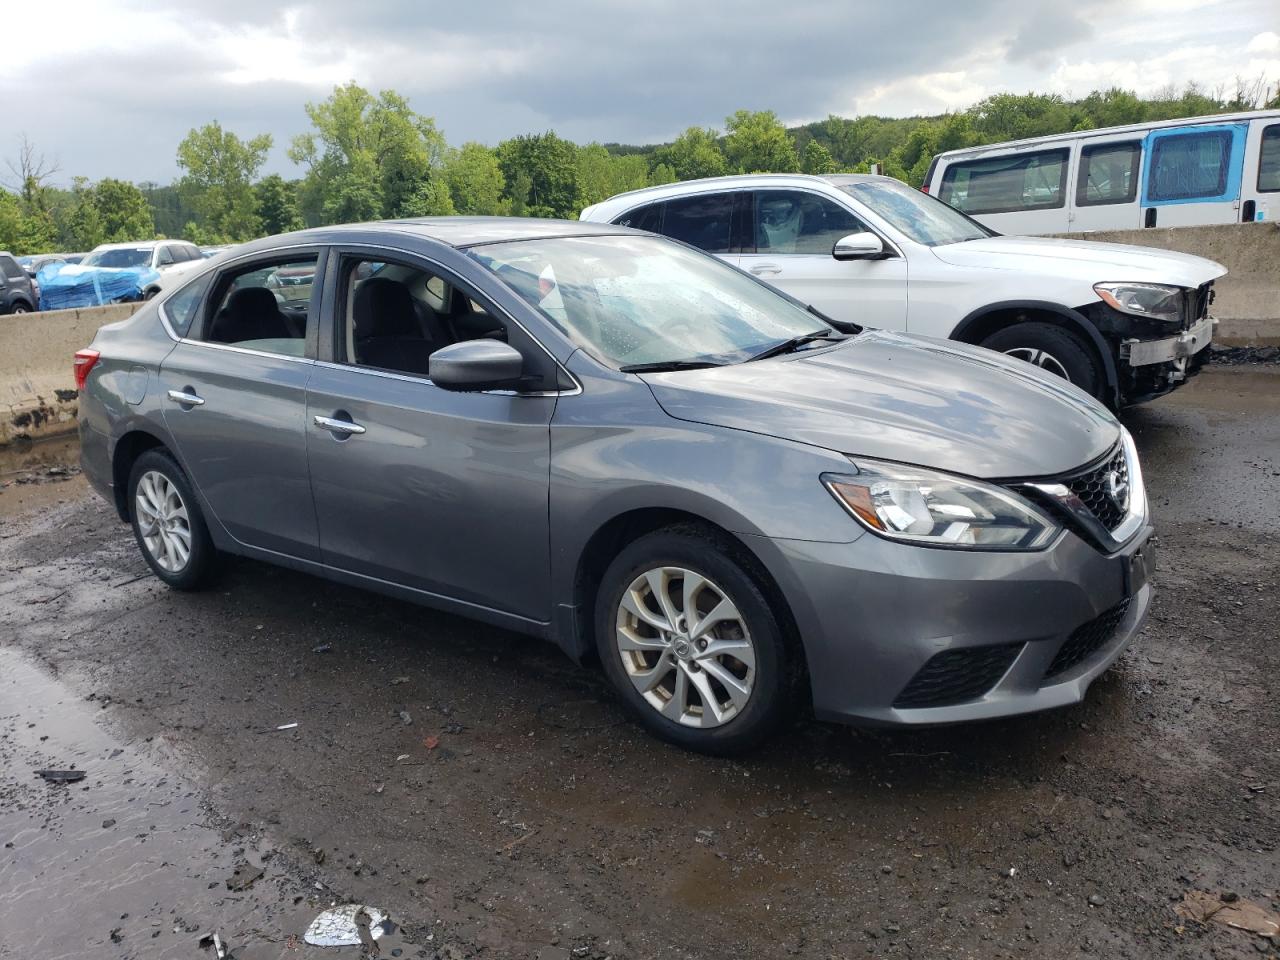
{"points": [[923, 218], [642, 300]]}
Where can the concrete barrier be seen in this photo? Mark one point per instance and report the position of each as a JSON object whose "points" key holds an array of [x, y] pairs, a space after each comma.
{"points": [[37, 387], [1247, 299]]}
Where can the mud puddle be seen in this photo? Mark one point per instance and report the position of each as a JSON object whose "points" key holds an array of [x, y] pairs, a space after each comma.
{"points": [[38, 474], [130, 861]]}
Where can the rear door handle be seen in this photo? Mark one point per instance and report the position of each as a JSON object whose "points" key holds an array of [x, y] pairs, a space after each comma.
{"points": [[766, 270], [339, 426], [186, 399]]}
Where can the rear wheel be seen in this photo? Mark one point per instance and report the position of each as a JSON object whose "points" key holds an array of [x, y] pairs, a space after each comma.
{"points": [[691, 644], [150, 294], [168, 524], [1052, 349], [21, 306]]}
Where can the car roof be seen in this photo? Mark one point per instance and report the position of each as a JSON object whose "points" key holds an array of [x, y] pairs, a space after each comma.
{"points": [[457, 232], [630, 199]]}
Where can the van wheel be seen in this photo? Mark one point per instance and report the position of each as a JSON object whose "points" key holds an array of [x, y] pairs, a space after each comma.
{"points": [[168, 524], [691, 644], [1052, 349]]}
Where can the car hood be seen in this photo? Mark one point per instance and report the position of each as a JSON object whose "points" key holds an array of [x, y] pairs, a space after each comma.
{"points": [[1090, 261], [908, 399]]}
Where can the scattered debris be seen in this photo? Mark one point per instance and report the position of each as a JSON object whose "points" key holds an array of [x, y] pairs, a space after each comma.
{"points": [[396, 681], [322, 648], [61, 776], [212, 940], [1230, 910], [243, 878], [108, 824], [405, 718], [287, 726], [342, 926], [402, 757], [431, 742]]}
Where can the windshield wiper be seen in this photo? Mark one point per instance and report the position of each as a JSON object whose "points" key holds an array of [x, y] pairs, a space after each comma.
{"points": [[664, 365], [787, 346], [844, 326]]}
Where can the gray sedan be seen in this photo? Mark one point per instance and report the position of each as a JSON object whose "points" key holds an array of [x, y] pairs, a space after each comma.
{"points": [[618, 443]]}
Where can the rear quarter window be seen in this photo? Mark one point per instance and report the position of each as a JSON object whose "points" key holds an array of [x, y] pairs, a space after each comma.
{"points": [[181, 308]]}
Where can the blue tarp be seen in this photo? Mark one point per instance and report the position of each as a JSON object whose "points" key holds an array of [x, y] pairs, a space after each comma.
{"points": [[66, 285]]}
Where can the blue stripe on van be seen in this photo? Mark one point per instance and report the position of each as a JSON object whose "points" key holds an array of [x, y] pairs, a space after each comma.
{"points": [[1235, 162]]}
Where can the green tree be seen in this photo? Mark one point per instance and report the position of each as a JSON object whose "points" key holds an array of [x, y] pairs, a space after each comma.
{"points": [[550, 166], [367, 156], [759, 143], [694, 154], [83, 228], [432, 199], [601, 174], [661, 174], [476, 183], [817, 159], [278, 205], [220, 170], [123, 211]]}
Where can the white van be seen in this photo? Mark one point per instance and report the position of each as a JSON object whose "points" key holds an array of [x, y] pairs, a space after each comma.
{"points": [[1174, 173]]}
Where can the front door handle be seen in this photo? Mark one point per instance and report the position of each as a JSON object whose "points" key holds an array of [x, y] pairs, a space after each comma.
{"points": [[766, 270], [339, 426], [185, 398]]}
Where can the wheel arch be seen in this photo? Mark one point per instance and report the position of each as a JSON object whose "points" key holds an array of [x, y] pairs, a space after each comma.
{"points": [[128, 449], [575, 635], [992, 317]]}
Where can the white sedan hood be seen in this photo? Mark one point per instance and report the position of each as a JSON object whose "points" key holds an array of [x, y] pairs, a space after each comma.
{"points": [[1084, 260]]}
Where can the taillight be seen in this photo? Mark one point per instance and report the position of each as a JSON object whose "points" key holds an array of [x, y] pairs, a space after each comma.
{"points": [[924, 188], [85, 359]]}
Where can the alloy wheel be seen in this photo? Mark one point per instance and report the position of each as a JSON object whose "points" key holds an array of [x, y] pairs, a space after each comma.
{"points": [[685, 647], [1042, 359], [163, 521]]}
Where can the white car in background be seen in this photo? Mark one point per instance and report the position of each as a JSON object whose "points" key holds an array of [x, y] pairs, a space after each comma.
{"points": [[169, 258], [1122, 323]]}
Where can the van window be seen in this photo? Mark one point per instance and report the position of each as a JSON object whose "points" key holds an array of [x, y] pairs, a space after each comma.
{"points": [[1188, 166], [1108, 173], [1269, 160], [1024, 181]]}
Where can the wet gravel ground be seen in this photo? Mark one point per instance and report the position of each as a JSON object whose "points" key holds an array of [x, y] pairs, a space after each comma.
{"points": [[488, 795]]}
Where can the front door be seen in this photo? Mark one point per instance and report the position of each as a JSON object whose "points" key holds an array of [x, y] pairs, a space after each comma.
{"points": [[234, 394], [1193, 175], [442, 492], [794, 233], [1260, 192]]}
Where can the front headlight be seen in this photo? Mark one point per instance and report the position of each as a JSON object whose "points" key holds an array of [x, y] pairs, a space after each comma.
{"points": [[1154, 301], [934, 509]]}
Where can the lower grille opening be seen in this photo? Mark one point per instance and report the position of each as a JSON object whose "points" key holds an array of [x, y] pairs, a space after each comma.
{"points": [[957, 676], [1086, 640]]}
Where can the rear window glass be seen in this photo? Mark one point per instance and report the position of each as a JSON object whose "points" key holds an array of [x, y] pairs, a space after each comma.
{"points": [[1269, 163], [180, 309], [645, 218], [1190, 166], [704, 221], [1108, 173], [1024, 181]]}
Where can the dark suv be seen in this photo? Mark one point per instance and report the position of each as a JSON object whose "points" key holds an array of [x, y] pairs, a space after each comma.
{"points": [[18, 292]]}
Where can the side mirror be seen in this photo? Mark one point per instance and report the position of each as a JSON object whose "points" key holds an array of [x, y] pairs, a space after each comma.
{"points": [[474, 365], [859, 246]]}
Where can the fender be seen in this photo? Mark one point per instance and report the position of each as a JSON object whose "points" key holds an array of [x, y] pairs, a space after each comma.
{"points": [[1071, 318]]}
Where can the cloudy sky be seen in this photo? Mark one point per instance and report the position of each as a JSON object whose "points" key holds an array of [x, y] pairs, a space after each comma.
{"points": [[109, 87]]}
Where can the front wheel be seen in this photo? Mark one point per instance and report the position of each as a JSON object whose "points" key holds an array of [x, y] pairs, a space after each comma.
{"points": [[1052, 349], [168, 524], [691, 644]]}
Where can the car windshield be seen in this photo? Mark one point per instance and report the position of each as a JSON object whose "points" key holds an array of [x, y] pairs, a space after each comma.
{"points": [[923, 218], [134, 257], [633, 301]]}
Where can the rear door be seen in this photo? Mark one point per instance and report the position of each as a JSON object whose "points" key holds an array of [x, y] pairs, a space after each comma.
{"points": [[1104, 189], [1260, 193], [234, 392], [794, 233], [1193, 175], [713, 222]]}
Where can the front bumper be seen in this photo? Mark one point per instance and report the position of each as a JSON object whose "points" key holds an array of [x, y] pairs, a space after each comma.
{"points": [[873, 613], [1143, 353]]}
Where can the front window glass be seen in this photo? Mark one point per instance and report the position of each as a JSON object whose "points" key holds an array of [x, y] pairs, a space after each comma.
{"points": [[1022, 181], [1108, 174], [1190, 166], [795, 221], [923, 218], [640, 300], [1269, 161], [128, 258]]}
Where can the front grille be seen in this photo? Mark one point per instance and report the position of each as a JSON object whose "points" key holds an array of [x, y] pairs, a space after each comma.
{"points": [[1086, 640], [955, 676], [1095, 490]]}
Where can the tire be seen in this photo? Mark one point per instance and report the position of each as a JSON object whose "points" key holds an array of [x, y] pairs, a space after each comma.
{"points": [[162, 480], [19, 307], [1054, 350], [754, 654], [151, 294]]}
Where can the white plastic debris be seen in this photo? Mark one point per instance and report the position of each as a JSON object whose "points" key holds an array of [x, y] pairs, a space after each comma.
{"points": [[338, 927], [287, 726]]}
